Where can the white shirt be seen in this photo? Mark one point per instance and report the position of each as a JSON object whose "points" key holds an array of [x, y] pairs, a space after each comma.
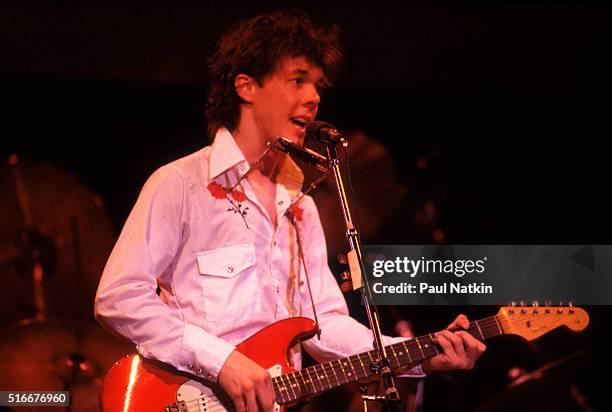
{"points": [[220, 281]]}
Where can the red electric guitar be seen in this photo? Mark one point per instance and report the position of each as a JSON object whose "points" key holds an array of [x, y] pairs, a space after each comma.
{"points": [[136, 384]]}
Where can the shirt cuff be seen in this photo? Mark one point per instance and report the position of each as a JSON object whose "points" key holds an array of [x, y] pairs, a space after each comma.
{"points": [[415, 372], [203, 354]]}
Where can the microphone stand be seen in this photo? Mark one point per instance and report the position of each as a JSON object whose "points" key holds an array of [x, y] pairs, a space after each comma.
{"points": [[355, 260]]}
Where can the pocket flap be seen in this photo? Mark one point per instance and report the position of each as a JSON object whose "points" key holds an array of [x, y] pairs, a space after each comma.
{"points": [[226, 261]]}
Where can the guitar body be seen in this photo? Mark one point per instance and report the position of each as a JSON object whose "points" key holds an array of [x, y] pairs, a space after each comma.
{"points": [[136, 384]]}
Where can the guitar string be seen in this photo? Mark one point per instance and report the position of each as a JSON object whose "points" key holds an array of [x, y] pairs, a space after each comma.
{"points": [[488, 324]]}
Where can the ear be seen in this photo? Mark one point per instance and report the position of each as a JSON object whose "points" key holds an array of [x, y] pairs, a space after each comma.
{"points": [[245, 87]]}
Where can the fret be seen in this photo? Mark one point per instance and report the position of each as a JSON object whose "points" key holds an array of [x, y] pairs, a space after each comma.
{"points": [[311, 380], [407, 351], [343, 371], [479, 330], [297, 384], [395, 356], [401, 353], [291, 387], [305, 382], [281, 389], [334, 371], [365, 372], [420, 348], [355, 377], [498, 325], [326, 377]]}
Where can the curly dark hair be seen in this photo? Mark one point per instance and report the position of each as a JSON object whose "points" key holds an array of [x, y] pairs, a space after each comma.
{"points": [[254, 47]]}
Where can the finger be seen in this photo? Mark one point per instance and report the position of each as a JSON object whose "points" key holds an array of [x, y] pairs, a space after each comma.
{"points": [[448, 353], [458, 348], [460, 321], [471, 343], [251, 400], [473, 347], [238, 403], [265, 395]]}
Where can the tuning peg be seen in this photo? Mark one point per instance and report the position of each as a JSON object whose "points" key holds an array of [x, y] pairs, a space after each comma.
{"points": [[523, 311], [547, 310], [535, 305], [560, 308], [571, 308], [512, 306]]}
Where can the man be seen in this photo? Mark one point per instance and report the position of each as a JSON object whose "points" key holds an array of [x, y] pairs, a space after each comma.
{"points": [[221, 247]]}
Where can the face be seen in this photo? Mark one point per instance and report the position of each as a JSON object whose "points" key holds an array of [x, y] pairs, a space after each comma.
{"points": [[287, 100]]}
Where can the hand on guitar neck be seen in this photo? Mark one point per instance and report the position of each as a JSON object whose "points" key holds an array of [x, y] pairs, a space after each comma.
{"points": [[460, 348]]}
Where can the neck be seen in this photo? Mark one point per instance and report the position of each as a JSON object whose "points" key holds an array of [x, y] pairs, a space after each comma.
{"points": [[313, 380]]}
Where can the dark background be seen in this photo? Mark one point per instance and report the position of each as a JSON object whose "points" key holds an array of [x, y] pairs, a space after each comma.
{"points": [[509, 103]]}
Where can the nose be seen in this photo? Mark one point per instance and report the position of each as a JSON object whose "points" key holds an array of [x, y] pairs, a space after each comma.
{"points": [[312, 98]]}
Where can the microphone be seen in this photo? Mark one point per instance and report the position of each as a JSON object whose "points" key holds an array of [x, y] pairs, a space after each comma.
{"points": [[323, 132], [302, 153]]}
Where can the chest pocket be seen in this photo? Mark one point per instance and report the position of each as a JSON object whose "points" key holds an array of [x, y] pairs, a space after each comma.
{"points": [[229, 283]]}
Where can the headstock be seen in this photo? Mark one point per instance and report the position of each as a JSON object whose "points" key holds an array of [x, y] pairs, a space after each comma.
{"points": [[533, 321]]}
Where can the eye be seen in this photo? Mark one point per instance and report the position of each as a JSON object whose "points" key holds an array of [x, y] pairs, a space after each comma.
{"points": [[298, 80]]}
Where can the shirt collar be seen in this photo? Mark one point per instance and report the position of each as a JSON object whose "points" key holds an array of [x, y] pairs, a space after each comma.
{"points": [[225, 154]]}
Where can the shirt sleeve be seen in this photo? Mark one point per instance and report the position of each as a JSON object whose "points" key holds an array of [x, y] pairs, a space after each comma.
{"points": [[126, 300], [341, 335]]}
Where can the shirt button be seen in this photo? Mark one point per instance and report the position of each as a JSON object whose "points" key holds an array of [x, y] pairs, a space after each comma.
{"points": [[190, 366], [230, 268]]}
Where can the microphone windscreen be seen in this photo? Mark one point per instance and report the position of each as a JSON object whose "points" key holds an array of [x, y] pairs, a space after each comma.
{"points": [[313, 129]]}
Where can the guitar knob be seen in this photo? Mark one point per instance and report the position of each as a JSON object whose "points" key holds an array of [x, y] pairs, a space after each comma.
{"points": [[346, 281], [342, 259]]}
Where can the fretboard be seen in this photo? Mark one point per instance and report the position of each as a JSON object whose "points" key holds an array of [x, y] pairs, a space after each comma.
{"points": [[311, 381]]}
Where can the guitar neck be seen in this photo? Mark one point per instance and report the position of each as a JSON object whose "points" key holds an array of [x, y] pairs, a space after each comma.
{"points": [[311, 381]]}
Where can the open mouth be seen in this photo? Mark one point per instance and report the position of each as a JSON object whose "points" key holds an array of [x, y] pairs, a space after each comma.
{"points": [[298, 121]]}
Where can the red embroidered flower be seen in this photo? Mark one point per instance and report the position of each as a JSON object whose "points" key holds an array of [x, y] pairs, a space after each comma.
{"points": [[297, 212], [238, 195], [217, 190]]}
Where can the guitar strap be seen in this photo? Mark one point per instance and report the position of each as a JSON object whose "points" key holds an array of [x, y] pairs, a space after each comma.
{"points": [[298, 240]]}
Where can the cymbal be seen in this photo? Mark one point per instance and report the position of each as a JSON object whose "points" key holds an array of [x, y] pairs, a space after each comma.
{"points": [[59, 355], [546, 388], [47, 216]]}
